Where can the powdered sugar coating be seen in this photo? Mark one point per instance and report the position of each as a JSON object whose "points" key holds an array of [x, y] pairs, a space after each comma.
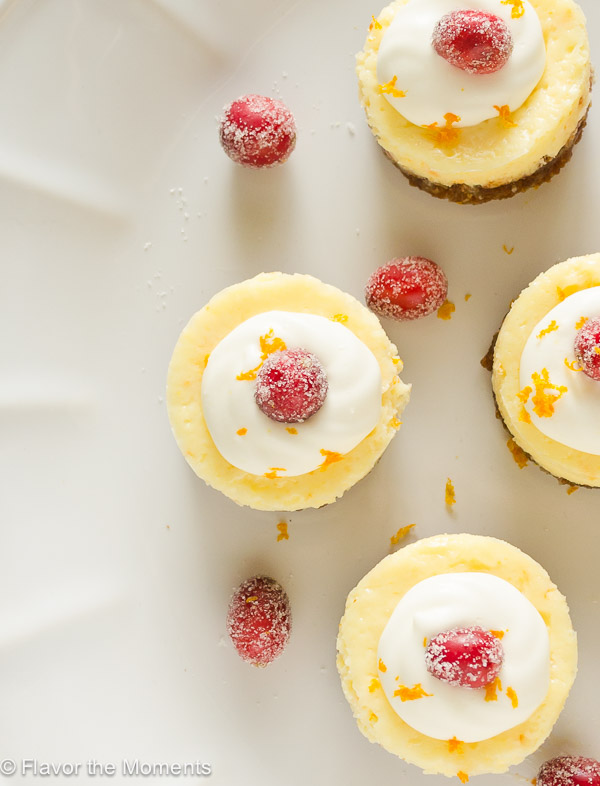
{"points": [[259, 620], [257, 131], [291, 386], [569, 771], [475, 41], [406, 288], [465, 657], [587, 348]]}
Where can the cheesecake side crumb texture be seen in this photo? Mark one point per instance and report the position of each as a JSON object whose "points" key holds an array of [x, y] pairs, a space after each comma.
{"points": [[226, 310], [368, 609], [542, 295], [492, 160]]}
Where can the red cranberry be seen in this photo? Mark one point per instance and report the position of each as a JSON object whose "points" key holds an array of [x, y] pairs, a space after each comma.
{"points": [[259, 620], [474, 41], [587, 348], [257, 131], [291, 386], [468, 657], [406, 288], [569, 771]]}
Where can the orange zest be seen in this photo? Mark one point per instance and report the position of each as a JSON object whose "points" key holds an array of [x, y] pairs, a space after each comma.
{"points": [[491, 690], [581, 322], [517, 10], [505, 116], [572, 365], [283, 531], [524, 394], [330, 458], [375, 25], [462, 776], [446, 310], [524, 416], [373, 718], [456, 746], [510, 692], [268, 344], [411, 694], [520, 458], [564, 293], [339, 318], [551, 328], [381, 666], [402, 533], [391, 89], [252, 599], [543, 402], [450, 496], [508, 250], [468, 296], [272, 474], [242, 432], [373, 685], [499, 634], [446, 134], [395, 423], [291, 430], [572, 490]]}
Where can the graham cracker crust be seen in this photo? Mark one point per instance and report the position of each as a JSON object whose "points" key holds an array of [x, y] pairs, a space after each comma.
{"points": [[477, 195]]}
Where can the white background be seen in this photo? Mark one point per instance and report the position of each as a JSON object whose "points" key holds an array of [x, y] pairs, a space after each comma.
{"points": [[120, 216]]}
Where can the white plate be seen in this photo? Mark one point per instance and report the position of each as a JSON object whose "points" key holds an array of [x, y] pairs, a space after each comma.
{"points": [[120, 216]]}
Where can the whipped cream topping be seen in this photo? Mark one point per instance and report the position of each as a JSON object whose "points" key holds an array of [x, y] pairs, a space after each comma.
{"points": [[433, 87], [254, 443], [454, 600], [576, 418]]}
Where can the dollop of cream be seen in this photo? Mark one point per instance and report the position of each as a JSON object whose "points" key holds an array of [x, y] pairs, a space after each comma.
{"points": [[433, 87], [453, 600], [254, 443], [576, 418]]}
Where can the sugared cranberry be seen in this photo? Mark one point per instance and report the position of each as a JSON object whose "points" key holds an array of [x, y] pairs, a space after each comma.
{"points": [[257, 131], [474, 41], [406, 288], [468, 657], [259, 620], [587, 348], [291, 386], [569, 771]]}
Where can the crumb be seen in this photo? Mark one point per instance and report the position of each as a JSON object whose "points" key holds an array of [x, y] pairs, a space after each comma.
{"points": [[518, 454]]}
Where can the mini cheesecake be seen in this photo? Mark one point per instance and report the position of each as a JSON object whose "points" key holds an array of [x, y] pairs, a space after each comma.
{"points": [[502, 155], [400, 595], [549, 405], [211, 393]]}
